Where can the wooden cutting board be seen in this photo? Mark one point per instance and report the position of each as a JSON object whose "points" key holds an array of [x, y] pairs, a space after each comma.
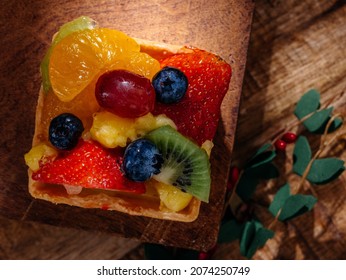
{"points": [[220, 26]]}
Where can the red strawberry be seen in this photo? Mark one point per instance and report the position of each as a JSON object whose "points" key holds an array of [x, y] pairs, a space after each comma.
{"points": [[88, 165], [198, 113]]}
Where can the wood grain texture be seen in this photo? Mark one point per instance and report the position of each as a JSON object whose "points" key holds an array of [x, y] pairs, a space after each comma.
{"points": [[290, 52], [294, 45], [222, 27]]}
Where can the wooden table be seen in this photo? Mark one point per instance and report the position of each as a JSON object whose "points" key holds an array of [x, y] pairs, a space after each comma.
{"points": [[290, 52]]}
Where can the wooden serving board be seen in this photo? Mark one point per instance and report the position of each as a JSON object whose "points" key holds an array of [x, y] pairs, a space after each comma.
{"points": [[220, 26]]}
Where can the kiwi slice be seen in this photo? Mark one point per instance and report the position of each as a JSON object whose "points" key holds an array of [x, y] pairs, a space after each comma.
{"points": [[186, 166]]}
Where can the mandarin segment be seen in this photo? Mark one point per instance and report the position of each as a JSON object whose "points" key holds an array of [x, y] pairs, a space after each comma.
{"points": [[142, 64], [79, 60], [79, 57], [83, 106], [75, 25]]}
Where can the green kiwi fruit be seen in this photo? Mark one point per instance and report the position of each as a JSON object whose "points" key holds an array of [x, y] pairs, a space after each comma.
{"points": [[186, 165]]}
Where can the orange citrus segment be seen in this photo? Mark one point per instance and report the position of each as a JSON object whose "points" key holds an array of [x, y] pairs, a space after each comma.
{"points": [[83, 106], [142, 64], [79, 57], [76, 63], [136, 62], [75, 25]]}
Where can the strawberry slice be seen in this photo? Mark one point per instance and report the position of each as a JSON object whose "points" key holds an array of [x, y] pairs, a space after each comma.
{"points": [[198, 113], [88, 165]]}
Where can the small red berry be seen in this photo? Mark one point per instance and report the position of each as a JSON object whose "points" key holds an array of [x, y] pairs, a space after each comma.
{"points": [[207, 255], [234, 174], [203, 256], [280, 145], [289, 137], [233, 178]]}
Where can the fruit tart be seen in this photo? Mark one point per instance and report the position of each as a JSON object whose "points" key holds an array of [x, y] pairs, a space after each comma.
{"points": [[125, 124]]}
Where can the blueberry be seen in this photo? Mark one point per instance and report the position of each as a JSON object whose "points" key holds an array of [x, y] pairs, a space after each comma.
{"points": [[65, 131], [142, 159], [170, 85]]}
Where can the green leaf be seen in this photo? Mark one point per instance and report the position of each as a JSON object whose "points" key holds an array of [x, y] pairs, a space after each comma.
{"points": [[247, 237], [307, 104], [279, 199], [325, 170], [262, 168], [229, 231], [157, 252], [262, 149], [301, 155], [265, 171], [254, 237], [246, 185], [262, 156], [333, 126], [318, 120], [261, 237], [296, 205]]}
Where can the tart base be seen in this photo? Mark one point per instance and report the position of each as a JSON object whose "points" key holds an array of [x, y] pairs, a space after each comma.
{"points": [[139, 205]]}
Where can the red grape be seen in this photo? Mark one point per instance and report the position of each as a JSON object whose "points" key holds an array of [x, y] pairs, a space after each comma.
{"points": [[125, 94]]}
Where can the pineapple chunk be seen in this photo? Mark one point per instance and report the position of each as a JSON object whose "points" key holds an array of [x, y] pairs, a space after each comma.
{"points": [[171, 197], [113, 131], [39, 154], [149, 122], [207, 146]]}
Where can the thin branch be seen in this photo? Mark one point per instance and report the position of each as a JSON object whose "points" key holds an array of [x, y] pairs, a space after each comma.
{"points": [[231, 197], [330, 122], [323, 145], [333, 99], [293, 124], [276, 219]]}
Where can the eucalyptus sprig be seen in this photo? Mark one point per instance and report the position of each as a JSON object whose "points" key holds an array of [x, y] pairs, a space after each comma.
{"points": [[288, 202], [240, 223]]}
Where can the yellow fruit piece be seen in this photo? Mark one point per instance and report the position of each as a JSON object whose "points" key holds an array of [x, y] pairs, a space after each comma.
{"points": [[171, 197], [39, 154], [113, 131], [207, 146], [149, 122], [82, 56]]}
